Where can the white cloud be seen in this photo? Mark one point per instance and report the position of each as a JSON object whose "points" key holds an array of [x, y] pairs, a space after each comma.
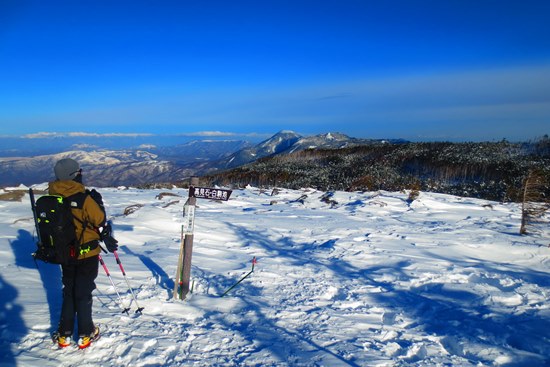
{"points": [[208, 133], [220, 134], [46, 135], [122, 135], [51, 135], [42, 135]]}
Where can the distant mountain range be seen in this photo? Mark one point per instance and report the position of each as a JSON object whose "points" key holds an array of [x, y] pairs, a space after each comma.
{"points": [[152, 164], [285, 142]]}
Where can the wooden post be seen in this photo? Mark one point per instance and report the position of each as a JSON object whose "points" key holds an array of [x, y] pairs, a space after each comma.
{"points": [[183, 273], [183, 276]]}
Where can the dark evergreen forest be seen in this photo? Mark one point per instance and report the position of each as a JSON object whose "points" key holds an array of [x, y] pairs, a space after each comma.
{"points": [[489, 170]]}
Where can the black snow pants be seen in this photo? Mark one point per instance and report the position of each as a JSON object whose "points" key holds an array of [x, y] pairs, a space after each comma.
{"points": [[78, 285]]}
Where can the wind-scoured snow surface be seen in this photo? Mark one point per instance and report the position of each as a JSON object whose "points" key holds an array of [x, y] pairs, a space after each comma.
{"points": [[355, 279]]}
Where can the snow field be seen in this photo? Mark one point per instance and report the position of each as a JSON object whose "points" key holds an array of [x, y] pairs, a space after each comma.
{"points": [[364, 280]]}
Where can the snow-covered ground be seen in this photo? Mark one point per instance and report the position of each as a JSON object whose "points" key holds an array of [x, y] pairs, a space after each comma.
{"points": [[357, 279]]}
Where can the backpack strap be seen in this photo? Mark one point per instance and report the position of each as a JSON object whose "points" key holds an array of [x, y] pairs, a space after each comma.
{"points": [[76, 201], [96, 196]]}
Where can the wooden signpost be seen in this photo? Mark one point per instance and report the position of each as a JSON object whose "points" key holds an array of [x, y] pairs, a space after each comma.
{"points": [[183, 273]]}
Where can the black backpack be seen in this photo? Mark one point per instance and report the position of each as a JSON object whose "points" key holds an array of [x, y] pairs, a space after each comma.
{"points": [[57, 238]]}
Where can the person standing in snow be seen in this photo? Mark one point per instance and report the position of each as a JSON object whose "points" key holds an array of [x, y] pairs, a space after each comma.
{"points": [[78, 278]]}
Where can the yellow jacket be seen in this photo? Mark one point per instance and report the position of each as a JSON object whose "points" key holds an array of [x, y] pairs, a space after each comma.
{"points": [[90, 213]]}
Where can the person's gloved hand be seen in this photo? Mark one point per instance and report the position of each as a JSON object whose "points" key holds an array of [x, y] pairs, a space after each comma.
{"points": [[111, 243], [107, 238]]}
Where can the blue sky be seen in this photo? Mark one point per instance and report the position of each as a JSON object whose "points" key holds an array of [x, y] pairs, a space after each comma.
{"points": [[419, 70]]}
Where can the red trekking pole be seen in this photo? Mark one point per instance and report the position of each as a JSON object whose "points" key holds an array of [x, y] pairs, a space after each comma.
{"points": [[113, 284], [139, 309]]}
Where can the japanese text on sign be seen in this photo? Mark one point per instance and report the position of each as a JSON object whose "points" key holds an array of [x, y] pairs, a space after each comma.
{"points": [[189, 221], [214, 194]]}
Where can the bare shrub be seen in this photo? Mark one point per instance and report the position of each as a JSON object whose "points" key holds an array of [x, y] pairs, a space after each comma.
{"points": [[535, 203]]}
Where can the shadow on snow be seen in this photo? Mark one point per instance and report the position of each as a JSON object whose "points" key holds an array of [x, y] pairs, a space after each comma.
{"points": [[458, 317], [50, 274], [161, 277], [12, 325]]}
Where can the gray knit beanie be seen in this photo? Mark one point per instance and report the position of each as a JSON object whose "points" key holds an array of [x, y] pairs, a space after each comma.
{"points": [[66, 169]]}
